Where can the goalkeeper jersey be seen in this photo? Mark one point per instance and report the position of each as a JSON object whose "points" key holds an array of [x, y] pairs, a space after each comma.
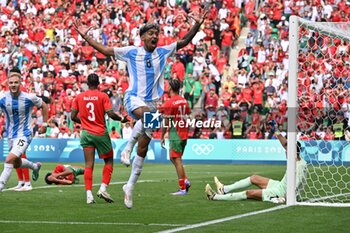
{"points": [[301, 172]]}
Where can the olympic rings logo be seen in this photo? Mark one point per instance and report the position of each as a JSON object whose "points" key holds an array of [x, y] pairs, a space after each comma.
{"points": [[204, 149]]}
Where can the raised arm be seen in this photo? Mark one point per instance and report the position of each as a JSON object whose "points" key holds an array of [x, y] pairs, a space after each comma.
{"points": [[45, 112], [199, 19], [282, 139], [277, 133], [83, 31]]}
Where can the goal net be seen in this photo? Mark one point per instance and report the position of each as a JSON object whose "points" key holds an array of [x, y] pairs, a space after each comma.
{"points": [[319, 112]]}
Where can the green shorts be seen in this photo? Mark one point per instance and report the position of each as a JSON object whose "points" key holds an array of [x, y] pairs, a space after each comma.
{"points": [[102, 143], [272, 190], [76, 172], [176, 144]]}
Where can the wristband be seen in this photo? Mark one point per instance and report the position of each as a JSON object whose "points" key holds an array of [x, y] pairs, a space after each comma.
{"points": [[44, 124], [277, 133]]}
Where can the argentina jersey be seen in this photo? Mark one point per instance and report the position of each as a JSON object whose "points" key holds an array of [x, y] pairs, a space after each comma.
{"points": [[18, 111], [146, 79]]}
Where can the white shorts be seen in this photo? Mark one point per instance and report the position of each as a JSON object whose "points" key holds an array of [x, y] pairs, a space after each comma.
{"points": [[18, 146], [132, 102]]}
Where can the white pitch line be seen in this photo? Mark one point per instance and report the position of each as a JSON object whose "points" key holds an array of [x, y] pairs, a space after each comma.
{"points": [[192, 226], [89, 223], [82, 185]]}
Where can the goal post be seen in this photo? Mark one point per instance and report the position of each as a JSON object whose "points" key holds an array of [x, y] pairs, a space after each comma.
{"points": [[292, 106], [319, 86]]}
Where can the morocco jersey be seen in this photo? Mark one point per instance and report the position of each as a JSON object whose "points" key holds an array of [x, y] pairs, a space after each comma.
{"points": [[73, 176], [146, 79], [178, 109], [18, 111], [60, 168], [92, 105]]}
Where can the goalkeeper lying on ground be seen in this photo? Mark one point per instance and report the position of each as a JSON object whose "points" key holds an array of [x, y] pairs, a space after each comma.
{"points": [[269, 189], [64, 174]]}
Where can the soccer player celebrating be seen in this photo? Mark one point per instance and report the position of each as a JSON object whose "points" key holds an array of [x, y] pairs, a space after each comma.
{"points": [[92, 106], [64, 175], [174, 112], [18, 107], [146, 67], [269, 189]]}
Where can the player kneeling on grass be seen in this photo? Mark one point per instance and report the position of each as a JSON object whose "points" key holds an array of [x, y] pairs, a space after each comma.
{"points": [[174, 111], [92, 106], [64, 175], [269, 189]]}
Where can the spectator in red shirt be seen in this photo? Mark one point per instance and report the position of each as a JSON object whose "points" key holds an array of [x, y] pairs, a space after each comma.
{"points": [[178, 68], [225, 96], [123, 80], [258, 91], [329, 134], [253, 132], [256, 117], [214, 50], [114, 134], [227, 39], [211, 103]]}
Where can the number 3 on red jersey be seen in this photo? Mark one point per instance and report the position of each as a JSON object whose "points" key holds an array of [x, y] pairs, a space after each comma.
{"points": [[91, 107]]}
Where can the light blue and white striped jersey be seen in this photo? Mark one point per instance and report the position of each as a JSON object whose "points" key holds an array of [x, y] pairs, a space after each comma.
{"points": [[18, 111], [146, 79]]}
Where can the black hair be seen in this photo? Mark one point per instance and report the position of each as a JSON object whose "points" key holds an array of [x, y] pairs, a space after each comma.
{"points": [[175, 85], [15, 72], [149, 26], [93, 80], [15, 69], [46, 178]]}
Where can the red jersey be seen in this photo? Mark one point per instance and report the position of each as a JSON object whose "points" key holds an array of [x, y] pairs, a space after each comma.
{"points": [[60, 168], [177, 107], [92, 105]]}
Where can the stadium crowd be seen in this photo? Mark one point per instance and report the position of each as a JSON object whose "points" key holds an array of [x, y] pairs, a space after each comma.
{"points": [[38, 38]]}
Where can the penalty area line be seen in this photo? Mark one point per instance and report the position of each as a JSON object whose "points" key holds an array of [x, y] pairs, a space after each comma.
{"points": [[89, 223], [216, 221]]}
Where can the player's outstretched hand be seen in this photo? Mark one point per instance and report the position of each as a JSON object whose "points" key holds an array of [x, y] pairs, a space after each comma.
{"points": [[81, 29], [125, 119]]}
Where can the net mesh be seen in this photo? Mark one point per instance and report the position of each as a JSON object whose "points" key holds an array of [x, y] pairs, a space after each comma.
{"points": [[324, 110]]}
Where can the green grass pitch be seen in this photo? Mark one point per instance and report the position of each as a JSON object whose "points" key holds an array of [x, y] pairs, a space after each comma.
{"points": [[64, 209]]}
